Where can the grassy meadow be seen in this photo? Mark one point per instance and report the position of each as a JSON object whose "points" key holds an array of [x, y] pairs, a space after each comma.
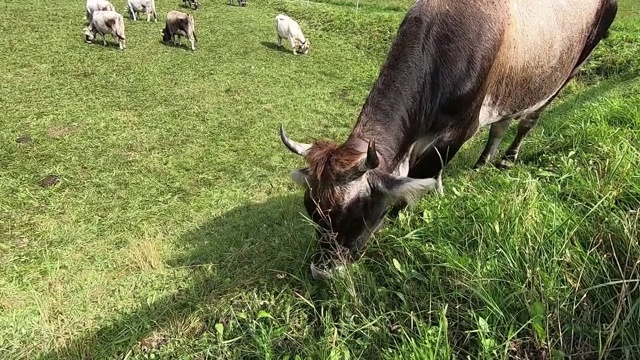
{"points": [[174, 231]]}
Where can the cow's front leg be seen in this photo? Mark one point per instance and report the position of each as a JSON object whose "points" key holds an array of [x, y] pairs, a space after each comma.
{"points": [[496, 134], [104, 40], [148, 16], [293, 46], [279, 41]]}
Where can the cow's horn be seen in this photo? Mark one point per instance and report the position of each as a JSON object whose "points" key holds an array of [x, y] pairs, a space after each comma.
{"points": [[371, 161], [296, 147], [372, 155]]}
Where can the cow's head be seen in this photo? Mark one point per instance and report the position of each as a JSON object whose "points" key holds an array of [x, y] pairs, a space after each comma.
{"points": [[304, 46], [88, 34], [195, 4], [242, 2], [166, 35], [348, 194]]}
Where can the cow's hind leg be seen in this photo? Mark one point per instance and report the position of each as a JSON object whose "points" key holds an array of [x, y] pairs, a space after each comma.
{"points": [[608, 13], [496, 134], [524, 127]]}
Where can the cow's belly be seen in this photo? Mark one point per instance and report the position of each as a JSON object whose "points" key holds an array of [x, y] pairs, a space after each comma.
{"points": [[493, 111]]}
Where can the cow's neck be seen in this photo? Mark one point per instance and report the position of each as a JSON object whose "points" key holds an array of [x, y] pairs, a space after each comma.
{"points": [[396, 147], [400, 109], [399, 129]]}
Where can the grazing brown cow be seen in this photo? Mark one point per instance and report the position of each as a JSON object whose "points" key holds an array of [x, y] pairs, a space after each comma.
{"points": [[191, 2], [179, 24], [454, 67]]}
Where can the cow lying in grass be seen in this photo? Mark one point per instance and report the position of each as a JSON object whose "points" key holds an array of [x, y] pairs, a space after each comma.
{"points": [[106, 22]]}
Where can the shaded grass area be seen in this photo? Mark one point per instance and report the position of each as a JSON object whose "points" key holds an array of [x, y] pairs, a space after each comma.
{"points": [[174, 230]]}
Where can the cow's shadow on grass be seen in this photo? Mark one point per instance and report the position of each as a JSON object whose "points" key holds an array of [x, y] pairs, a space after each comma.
{"points": [[235, 4], [246, 247], [185, 45], [274, 46], [111, 44]]}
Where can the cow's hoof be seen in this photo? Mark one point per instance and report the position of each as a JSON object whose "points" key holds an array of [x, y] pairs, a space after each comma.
{"points": [[505, 164], [479, 165]]}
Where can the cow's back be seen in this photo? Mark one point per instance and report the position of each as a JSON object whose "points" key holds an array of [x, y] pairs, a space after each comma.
{"points": [[178, 22], [286, 25], [103, 20]]}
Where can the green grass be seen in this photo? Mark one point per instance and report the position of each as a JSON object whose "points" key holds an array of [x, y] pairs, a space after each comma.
{"points": [[175, 231]]}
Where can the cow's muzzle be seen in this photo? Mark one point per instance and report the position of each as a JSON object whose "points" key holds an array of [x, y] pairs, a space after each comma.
{"points": [[326, 274], [328, 263]]}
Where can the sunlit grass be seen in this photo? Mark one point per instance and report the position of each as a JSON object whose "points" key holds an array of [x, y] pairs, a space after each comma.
{"points": [[174, 230]]}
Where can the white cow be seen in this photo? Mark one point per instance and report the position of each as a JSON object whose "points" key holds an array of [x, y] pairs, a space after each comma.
{"points": [[106, 22], [287, 28], [145, 6], [98, 5]]}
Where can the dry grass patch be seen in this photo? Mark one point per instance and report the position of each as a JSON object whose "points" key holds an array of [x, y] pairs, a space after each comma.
{"points": [[146, 254]]}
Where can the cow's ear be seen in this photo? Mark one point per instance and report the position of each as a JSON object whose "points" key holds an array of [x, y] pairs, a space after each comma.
{"points": [[407, 189], [300, 177]]}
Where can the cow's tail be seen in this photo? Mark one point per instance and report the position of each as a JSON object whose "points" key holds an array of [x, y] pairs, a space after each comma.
{"points": [[119, 30], [192, 27]]}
